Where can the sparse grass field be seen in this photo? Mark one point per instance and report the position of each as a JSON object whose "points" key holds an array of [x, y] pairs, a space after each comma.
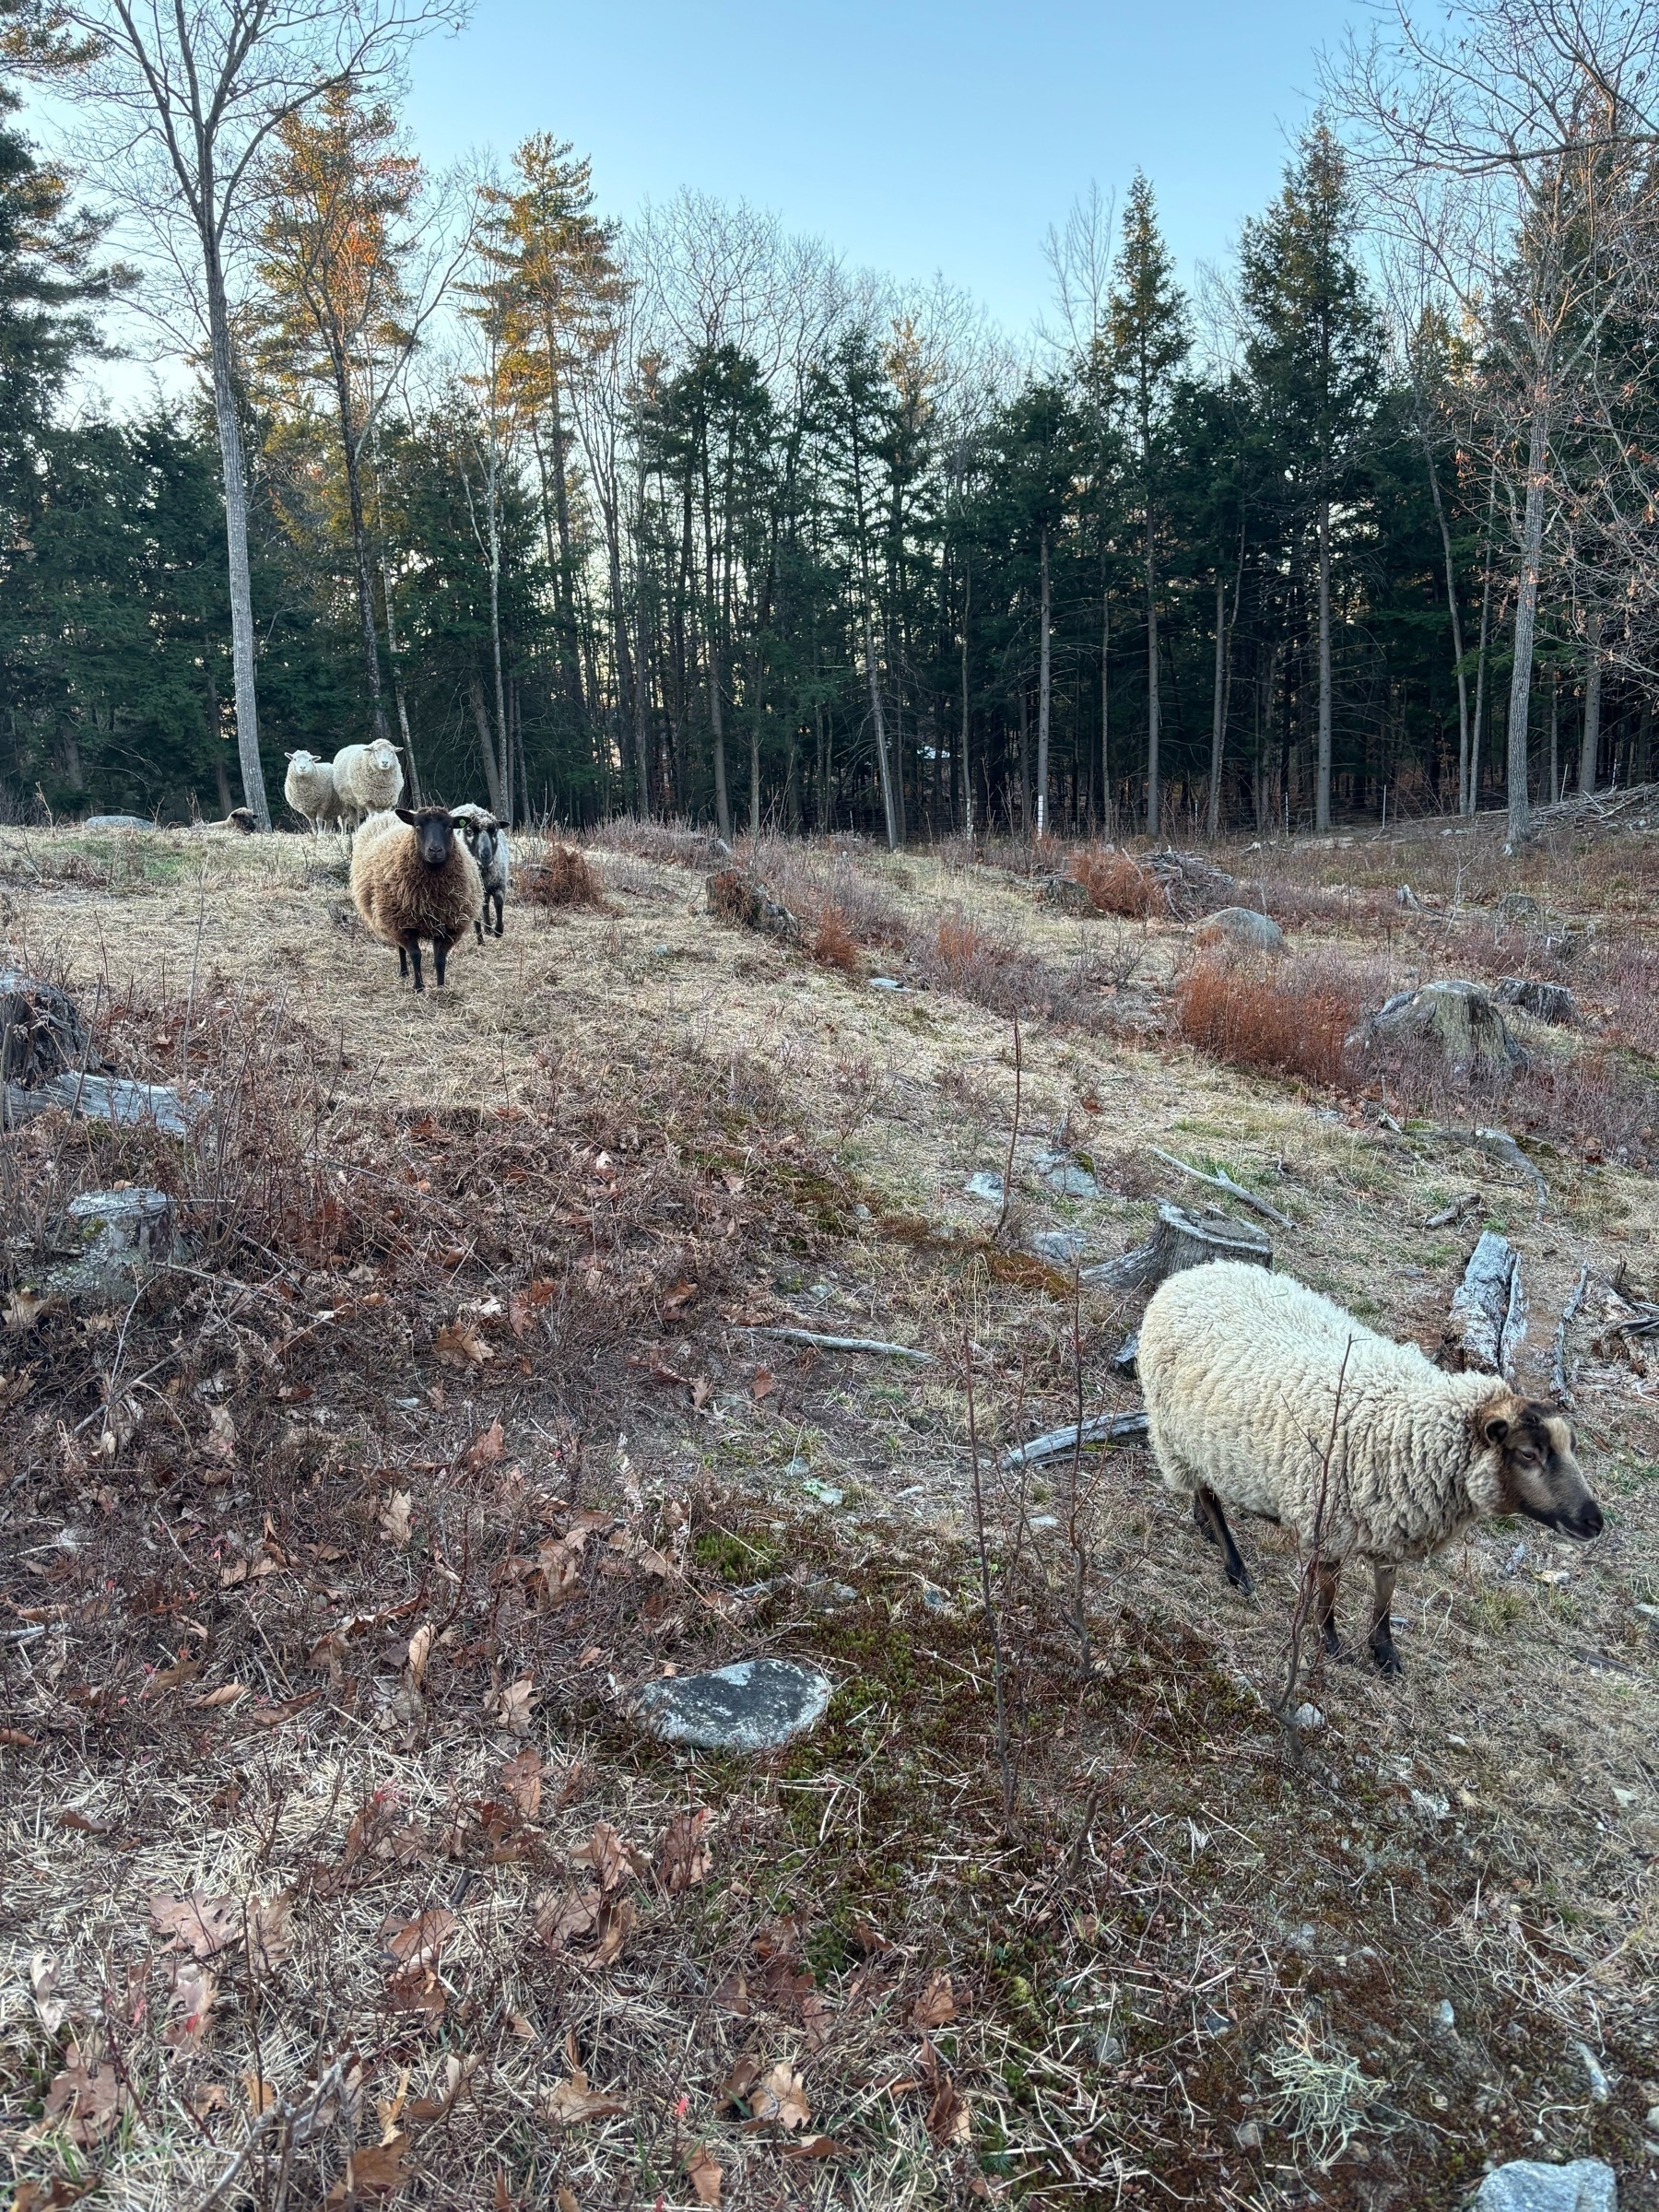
{"points": [[332, 1563]]}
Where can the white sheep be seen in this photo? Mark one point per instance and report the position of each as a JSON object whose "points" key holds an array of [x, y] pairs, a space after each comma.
{"points": [[486, 842], [1261, 1395], [368, 778], [309, 788]]}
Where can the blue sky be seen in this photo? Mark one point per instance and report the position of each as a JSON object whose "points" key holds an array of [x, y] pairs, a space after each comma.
{"points": [[915, 136]]}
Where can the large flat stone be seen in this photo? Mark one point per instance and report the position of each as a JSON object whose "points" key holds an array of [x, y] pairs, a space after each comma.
{"points": [[1528, 2185], [753, 1705]]}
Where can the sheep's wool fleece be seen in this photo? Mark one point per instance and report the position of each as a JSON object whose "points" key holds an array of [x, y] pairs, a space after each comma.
{"points": [[368, 776], [399, 896], [309, 788], [1241, 1373]]}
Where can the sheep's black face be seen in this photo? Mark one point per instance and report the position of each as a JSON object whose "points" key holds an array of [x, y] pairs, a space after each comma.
{"points": [[1541, 1477], [434, 833]]}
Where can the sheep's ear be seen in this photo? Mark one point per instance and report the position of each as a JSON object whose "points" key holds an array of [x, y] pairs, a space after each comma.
{"points": [[1494, 1428], [405, 814]]}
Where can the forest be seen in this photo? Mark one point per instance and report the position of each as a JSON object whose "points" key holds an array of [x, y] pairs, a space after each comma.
{"points": [[686, 517]]}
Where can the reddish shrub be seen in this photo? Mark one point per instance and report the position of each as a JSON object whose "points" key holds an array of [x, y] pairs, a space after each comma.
{"points": [[1119, 884], [834, 944], [563, 878], [1288, 1021]]}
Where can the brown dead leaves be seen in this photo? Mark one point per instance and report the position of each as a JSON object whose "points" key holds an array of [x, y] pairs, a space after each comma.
{"points": [[574, 2099], [206, 1925], [704, 2172], [84, 2101], [415, 1946], [684, 1859], [459, 1344]]}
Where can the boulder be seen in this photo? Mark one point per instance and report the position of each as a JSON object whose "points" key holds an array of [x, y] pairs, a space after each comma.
{"points": [[118, 822], [1463, 1020], [1529, 2186], [1057, 1247], [754, 1705], [1242, 925], [1544, 1002], [1067, 1177], [986, 1185]]}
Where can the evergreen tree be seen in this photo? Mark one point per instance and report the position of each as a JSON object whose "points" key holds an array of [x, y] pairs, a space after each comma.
{"points": [[1149, 343]]}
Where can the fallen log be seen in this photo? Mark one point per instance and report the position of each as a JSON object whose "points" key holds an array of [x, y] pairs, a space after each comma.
{"points": [[1498, 1144], [847, 1344], [1222, 1181], [1487, 1325], [1558, 1382], [1104, 1429]]}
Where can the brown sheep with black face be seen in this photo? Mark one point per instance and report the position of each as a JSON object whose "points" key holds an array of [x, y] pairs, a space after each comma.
{"points": [[1262, 1396], [412, 877]]}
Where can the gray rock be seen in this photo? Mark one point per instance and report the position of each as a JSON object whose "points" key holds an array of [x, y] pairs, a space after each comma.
{"points": [[1243, 926], [1460, 1020], [825, 1492], [986, 1187], [1057, 1247], [118, 822], [1519, 906], [1248, 2134], [1544, 1002], [886, 983], [1067, 1177], [1528, 2185], [755, 1705]]}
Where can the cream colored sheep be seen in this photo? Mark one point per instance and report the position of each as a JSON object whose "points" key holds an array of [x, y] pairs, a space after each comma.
{"points": [[413, 877], [309, 788], [1261, 1395], [368, 778]]}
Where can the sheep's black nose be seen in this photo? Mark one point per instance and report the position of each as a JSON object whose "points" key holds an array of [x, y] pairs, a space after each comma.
{"points": [[1587, 1520]]}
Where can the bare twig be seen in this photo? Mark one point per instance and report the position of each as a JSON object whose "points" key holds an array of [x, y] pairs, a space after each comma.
{"points": [[1222, 1181], [1074, 1538], [993, 1609], [1013, 1136], [298, 2121]]}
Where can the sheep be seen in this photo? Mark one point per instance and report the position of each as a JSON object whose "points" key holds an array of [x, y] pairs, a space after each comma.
{"points": [[412, 877], [309, 788], [368, 780], [1252, 1381], [486, 842]]}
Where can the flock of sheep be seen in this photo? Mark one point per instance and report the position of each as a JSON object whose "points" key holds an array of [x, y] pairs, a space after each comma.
{"points": [[1261, 1394], [412, 878]]}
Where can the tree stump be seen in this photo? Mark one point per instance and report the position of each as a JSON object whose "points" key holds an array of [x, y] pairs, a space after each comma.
{"points": [[42, 1032], [1460, 1019], [743, 898], [1487, 1325], [1182, 1240]]}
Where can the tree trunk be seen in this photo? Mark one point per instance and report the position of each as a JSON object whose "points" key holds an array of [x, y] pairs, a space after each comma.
{"points": [[397, 690], [1527, 613], [1590, 751], [236, 538], [1045, 695], [1219, 713], [352, 455], [492, 772], [1480, 661], [1105, 708], [1322, 785], [1025, 763], [1152, 679], [967, 726], [1555, 737], [1457, 645]]}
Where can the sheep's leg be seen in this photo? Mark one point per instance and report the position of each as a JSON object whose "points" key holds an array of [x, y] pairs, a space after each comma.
{"points": [[403, 964], [1324, 1606], [1206, 1512], [440, 949], [479, 929], [1382, 1643], [414, 944], [499, 905]]}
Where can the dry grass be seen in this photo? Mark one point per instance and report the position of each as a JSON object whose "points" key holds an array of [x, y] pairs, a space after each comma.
{"points": [[465, 1344], [834, 944]]}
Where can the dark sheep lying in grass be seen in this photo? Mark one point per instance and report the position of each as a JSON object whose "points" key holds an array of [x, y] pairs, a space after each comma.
{"points": [[1252, 1378], [413, 877]]}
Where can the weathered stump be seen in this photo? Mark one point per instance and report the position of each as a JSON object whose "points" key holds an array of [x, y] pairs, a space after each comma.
{"points": [[1182, 1240], [735, 896], [1460, 1019]]}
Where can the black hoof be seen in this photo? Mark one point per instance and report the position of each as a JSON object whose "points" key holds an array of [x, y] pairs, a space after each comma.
{"points": [[1242, 1582], [1386, 1660]]}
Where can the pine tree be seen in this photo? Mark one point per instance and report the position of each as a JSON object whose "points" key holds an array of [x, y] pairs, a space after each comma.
{"points": [[1314, 355], [1150, 344]]}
